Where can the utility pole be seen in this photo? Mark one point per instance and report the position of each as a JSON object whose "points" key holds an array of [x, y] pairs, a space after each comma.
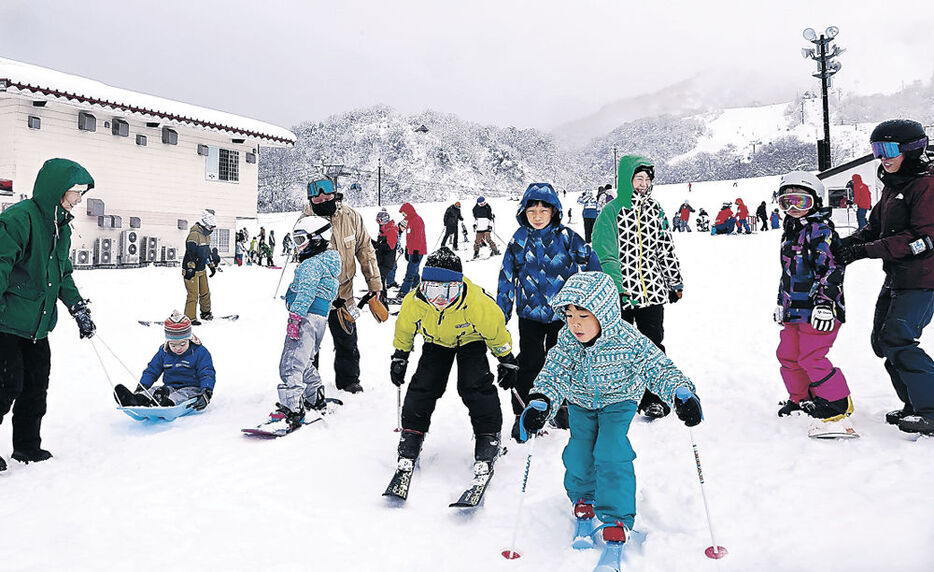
{"points": [[615, 169]]}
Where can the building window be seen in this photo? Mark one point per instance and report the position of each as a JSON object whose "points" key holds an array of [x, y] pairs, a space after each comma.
{"points": [[120, 128], [222, 165], [141, 140], [34, 122], [86, 121], [220, 239], [169, 136]]}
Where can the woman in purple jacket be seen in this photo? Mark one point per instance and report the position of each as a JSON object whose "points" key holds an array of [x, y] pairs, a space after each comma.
{"points": [[900, 231]]}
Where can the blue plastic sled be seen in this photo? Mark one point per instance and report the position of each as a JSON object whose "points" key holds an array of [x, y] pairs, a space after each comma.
{"points": [[160, 413]]}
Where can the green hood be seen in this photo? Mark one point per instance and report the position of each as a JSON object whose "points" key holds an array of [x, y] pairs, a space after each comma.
{"points": [[54, 178], [624, 173]]}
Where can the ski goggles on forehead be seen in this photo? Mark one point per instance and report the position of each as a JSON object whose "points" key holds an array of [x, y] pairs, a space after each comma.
{"points": [[797, 201], [891, 149], [440, 294]]}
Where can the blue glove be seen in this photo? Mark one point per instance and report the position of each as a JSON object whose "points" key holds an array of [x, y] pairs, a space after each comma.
{"points": [[533, 417], [687, 406]]}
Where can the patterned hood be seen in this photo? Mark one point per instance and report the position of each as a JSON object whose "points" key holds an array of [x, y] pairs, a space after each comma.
{"points": [[543, 192], [595, 292]]}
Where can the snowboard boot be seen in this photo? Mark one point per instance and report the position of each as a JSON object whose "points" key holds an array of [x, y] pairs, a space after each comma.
{"points": [[893, 417], [787, 408], [318, 403], [288, 419], [207, 316], [31, 456], [828, 411], [917, 424], [354, 387], [486, 447]]}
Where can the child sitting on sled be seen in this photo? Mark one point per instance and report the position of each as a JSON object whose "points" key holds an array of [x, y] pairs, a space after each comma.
{"points": [[185, 366], [602, 366]]}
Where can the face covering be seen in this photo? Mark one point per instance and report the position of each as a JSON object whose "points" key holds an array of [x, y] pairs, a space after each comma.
{"points": [[325, 209]]}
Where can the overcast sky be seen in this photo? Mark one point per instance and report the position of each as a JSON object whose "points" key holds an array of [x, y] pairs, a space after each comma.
{"points": [[510, 62]]}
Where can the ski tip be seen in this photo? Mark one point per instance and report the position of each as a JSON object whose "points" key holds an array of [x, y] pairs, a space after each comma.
{"points": [[510, 554]]}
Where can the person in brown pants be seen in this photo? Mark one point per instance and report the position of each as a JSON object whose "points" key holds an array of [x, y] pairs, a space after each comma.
{"points": [[197, 259]]}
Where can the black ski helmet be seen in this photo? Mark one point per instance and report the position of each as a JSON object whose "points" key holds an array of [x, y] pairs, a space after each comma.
{"points": [[897, 130]]}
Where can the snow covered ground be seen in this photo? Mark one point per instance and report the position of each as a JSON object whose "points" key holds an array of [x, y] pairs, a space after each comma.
{"points": [[196, 494]]}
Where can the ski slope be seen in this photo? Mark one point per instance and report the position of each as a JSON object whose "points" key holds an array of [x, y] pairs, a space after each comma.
{"points": [[196, 494]]}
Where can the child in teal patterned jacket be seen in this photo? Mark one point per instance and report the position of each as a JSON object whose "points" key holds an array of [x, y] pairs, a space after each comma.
{"points": [[601, 366]]}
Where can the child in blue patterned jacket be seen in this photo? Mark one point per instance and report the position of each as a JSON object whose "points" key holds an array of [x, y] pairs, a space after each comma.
{"points": [[308, 300], [601, 366], [541, 256]]}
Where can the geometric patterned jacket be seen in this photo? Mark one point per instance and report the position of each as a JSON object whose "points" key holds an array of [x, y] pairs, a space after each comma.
{"points": [[537, 263], [633, 240]]}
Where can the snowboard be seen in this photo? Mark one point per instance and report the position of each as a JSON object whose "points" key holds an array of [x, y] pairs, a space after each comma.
{"points": [[263, 429], [167, 414], [842, 429], [229, 318]]}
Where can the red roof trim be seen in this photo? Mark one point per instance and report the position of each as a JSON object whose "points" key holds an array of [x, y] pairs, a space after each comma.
{"points": [[141, 110]]}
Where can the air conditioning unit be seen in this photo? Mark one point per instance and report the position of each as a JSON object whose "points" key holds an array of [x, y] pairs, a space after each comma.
{"points": [[150, 249], [129, 247], [83, 258], [103, 252], [169, 254]]}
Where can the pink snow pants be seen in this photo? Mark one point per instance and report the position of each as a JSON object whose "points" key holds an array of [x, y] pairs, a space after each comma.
{"points": [[802, 353]]}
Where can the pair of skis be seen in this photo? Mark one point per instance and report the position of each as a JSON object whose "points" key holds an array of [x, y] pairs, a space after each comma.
{"points": [[471, 497], [229, 317]]}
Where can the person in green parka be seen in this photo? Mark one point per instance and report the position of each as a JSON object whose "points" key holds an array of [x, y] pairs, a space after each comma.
{"points": [[633, 240], [35, 272]]}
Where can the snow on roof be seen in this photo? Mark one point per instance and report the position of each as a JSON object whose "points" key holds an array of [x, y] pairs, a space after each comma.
{"points": [[35, 79]]}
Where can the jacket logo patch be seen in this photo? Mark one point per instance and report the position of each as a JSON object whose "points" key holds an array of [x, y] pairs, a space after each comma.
{"points": [[464, 325]]}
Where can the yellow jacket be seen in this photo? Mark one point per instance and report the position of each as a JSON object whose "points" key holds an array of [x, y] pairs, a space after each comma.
{"points": [[475, 316]]}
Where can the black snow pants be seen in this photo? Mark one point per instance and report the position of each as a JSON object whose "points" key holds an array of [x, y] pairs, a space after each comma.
{"points": [[346, 354], [449, 231], [535, 339], [24, 383], [474, 385], [650, 322]]}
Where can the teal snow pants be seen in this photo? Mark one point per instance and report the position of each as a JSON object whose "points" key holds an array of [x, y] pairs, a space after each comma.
{"points": [[598, 461]]}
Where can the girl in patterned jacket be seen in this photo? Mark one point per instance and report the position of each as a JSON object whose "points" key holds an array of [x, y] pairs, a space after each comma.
{"points": [[539, 258], [308, 300], [632, 238], [810, 299], [601, 366]]}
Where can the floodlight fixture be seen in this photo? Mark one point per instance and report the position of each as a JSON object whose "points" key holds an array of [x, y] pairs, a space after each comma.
{"points": [[831, 32], [807, 53], [810, 35]]}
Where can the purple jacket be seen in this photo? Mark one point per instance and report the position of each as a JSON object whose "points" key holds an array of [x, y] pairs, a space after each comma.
{"points": [[904, 213], [810, 275]]}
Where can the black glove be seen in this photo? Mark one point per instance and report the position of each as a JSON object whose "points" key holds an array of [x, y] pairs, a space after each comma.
{"points": [[674, 295], [533, 419], [687, 406], [415, 253], [203, 399], [213, 271], [82, 315], [189, 273], [846, 254], [400, 361], [507, 371]]}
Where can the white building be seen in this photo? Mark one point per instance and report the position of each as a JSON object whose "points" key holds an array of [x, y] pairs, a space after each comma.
{"points": [[156, 162]]}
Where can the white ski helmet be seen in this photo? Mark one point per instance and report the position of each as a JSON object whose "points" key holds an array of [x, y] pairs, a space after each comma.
{"points": [[804, 180], [312, 235]]}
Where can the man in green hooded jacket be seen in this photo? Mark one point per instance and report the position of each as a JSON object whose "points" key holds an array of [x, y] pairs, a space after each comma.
{"points": [[35, 240]]}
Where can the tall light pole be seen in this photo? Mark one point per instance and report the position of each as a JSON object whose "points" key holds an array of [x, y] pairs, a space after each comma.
{"points": [[823, 55]]}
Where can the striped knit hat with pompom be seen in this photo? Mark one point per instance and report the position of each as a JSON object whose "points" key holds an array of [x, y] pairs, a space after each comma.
{"points": [[177, 327]]}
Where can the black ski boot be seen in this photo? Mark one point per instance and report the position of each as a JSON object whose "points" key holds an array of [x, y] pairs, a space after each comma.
{"points": [[207, 316], [787, 408], [31, 456], [820, 408], [161, 395], [486, 447], [917, 424], [893, 417], [410, 444]]}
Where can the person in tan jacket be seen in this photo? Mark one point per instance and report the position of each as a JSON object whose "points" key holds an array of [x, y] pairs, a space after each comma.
{"points": [[195, 263], [352, 242]]}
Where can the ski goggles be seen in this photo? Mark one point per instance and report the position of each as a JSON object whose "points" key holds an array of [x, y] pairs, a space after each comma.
{"points": [[891, 149], [797, 201], [440, 294]]}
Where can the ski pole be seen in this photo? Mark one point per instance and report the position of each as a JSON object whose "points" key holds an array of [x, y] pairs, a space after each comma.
{"points": [[715, 551], [281, 274], [539, 405], [398, 409]]}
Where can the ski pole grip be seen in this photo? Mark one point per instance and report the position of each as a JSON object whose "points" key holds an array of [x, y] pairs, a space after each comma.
{"points": [[538, 404]]}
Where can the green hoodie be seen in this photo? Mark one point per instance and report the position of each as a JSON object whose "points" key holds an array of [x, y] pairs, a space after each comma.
{"points": [[35, 240]]}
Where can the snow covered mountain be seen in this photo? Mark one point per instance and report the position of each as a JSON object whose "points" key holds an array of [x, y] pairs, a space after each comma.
{"points": [[430, 156]]}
